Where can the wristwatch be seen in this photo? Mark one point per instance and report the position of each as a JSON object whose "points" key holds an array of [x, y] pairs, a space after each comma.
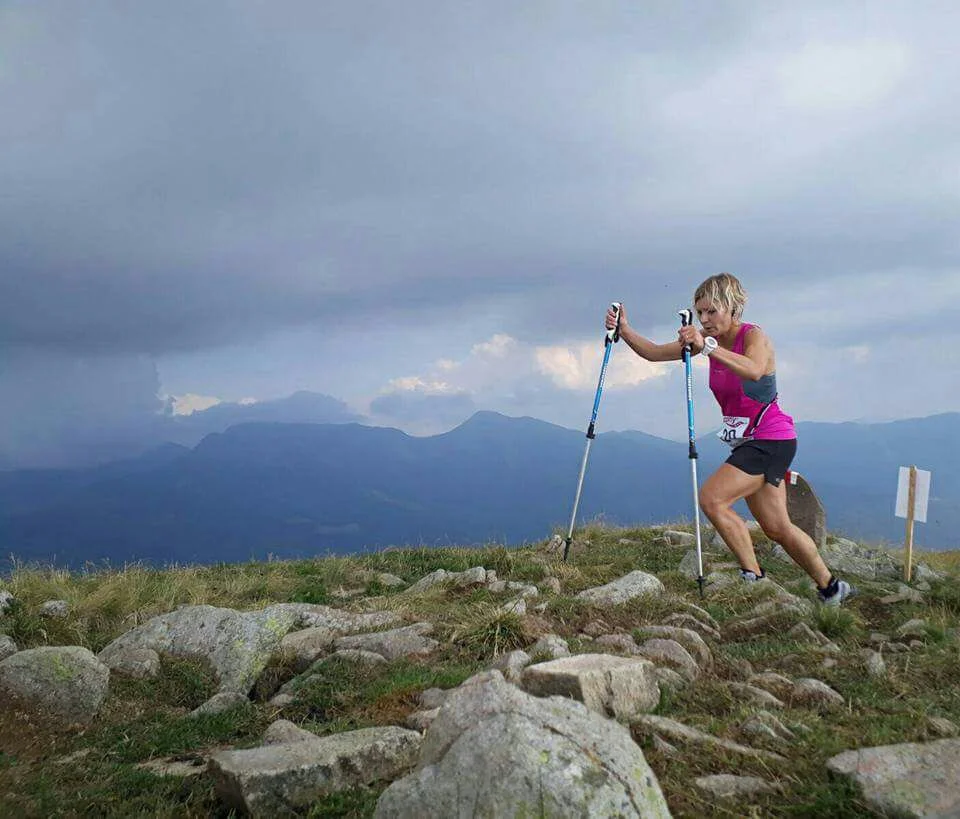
{"points": [[709, 345]]}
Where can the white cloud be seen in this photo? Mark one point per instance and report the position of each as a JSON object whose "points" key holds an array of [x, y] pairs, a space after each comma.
{"points": [[414, 383], [497, 347], [842, 76], [577, 367], [191, 402]]}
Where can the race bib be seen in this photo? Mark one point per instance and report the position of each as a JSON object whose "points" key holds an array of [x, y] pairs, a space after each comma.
{"points": [[733, 428]]}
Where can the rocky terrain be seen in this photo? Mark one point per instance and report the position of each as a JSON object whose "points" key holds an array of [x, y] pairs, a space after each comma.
{"points": [[489, 682]]}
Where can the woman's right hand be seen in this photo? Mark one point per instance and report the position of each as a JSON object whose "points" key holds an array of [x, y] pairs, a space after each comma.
{"points": [[611, 320]]}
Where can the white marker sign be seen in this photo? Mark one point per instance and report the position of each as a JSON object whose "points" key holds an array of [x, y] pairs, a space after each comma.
{"points": [[921, 494]]}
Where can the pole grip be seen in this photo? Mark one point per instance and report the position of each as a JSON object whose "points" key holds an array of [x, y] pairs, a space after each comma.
{"points": [[686, 319], [613, 335]]}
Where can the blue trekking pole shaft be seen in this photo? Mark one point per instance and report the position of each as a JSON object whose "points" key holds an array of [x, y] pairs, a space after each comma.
{"points": [[609, 339], [686, 318]]}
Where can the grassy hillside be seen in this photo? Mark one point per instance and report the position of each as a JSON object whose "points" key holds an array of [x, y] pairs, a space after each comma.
{"points": [[48, 771]]}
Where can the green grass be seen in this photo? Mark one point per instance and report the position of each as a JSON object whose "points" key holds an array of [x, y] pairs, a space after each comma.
{"points": [[146, 720]]}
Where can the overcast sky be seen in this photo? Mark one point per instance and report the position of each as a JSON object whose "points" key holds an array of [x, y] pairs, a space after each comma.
{"points": [[424, 208]]}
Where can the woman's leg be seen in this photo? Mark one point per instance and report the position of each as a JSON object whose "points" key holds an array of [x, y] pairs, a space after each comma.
{"points": [[769, 506], [717, 495]]}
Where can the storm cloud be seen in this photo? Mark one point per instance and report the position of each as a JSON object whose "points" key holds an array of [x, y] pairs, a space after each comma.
{"points": [[260, 198]]}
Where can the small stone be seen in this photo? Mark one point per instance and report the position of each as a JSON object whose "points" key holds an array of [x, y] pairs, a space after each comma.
{"points": [[7, 646], [219, 703], [816, 694], [550, 646], [876, 638], [596, 628], [283, 731], [55, 609], [661, 746], [511, 665], [730, 786], [623, 643], [913, 628], [677, 538], [873, 660], [942, 727], [6, 601]]}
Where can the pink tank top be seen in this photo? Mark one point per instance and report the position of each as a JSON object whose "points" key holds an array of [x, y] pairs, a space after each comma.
{"points": [[750, 409]]}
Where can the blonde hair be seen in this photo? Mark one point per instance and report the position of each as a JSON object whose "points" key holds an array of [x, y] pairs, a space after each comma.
{"points": [[724, 291]]}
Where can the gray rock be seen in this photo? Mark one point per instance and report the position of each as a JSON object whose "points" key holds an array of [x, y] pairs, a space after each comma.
{"points": [[550, 646], [496, 751], [311, 615], [753, 695], [596, 628], [219, 703], [688, 638], [7, 646], [730, 786], [779, 553], [661, 746], [776, 622], [718, 581], [64, 681], [844, 557], [421, 720], [876, 638], [690, 565], [677, 731], [517, 606], [924, 574], [630, 586], [282, 732], [802, 633], [136, 663], [913, 628], [618, 687], [765, 726], [777, 684], [701, 614], [277, 780], [477, 576], [525, 590], [393, 644], [354, 655], [618, 643], [942, 727], [688, 621], [237, 646], [303, 647], [677, 538], [806, 510], [815, 694], [670, 680], [281, 701], [874, 663], [912, 779], [6, 601], [55, 609], [390, 581], [432, 698], [672, 654], [511, 665]]}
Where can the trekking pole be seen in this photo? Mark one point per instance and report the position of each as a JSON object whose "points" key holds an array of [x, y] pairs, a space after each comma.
{"points": [[686, 318], [611, 337]]}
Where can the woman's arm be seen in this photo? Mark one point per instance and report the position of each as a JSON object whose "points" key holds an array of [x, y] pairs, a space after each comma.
{"points": [[643, 347], [650, 350], [756, 359]]}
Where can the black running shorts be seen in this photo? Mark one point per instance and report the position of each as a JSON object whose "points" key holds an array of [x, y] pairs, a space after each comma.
{"points": [[768, 458]]}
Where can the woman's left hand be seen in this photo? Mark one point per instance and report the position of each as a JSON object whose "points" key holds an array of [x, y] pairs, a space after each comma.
{"points": [[692, 336]]}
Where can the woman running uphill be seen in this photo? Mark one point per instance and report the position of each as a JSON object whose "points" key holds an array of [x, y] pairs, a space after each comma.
{"points": [[763, 438]]}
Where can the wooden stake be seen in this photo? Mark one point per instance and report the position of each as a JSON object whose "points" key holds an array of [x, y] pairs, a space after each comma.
{"points": [[911, 500]]}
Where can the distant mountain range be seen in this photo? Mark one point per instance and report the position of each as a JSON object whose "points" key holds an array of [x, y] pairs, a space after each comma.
{"points": [[290, 489]]}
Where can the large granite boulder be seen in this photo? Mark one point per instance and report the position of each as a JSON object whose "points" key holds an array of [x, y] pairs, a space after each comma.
{"points": [[632, 585], [293, 768], [495, 751], [911, 779], [67, 682]]}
